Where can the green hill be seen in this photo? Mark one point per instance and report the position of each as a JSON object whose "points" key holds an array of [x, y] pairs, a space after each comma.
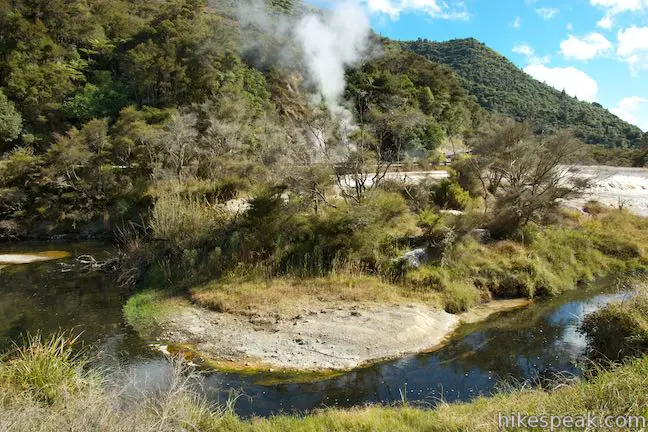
{"points": [[501, 87]]}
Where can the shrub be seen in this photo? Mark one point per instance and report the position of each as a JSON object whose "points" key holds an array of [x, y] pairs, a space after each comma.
{"points": [[459, 297], [618, 330], [450, 195]]}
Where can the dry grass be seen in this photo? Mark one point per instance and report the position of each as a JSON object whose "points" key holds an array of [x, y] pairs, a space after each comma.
{"points": [[185, 222], [46, 387], [98, 405], [288, 296]]}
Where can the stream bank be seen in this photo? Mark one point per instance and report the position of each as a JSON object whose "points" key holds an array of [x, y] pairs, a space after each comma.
{"points": [[519, 345], [327, 340]]}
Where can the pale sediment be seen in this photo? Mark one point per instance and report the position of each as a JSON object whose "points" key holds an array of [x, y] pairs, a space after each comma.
{"points": [[340, 338], [7, 259]]}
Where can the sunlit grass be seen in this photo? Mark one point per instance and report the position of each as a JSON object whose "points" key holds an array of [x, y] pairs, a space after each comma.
{"points": [[94, 401]]}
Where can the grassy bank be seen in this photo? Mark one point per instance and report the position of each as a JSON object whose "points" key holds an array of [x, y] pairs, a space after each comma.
{"points": [[46, 387], [619, 330], [288, 296], [544, 261]]}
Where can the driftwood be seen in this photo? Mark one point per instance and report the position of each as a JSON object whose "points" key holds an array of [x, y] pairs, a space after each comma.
{"points": [[88, 262]]}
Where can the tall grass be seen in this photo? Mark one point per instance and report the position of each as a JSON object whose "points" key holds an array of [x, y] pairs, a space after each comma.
{"points": [[619, 330], [185, 222], [46, 386], [49, 369], [100, 404]]}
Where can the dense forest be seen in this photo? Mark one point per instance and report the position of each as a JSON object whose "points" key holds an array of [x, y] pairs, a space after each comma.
{"points": [[501, 87], [109, 106], [102, 99]]}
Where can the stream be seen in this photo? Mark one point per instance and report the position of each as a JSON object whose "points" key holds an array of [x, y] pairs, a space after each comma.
{"points": [[517, 346]]}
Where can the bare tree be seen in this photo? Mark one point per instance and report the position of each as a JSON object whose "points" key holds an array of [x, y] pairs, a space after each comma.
{"points": [[180, 143], [527, 175]]}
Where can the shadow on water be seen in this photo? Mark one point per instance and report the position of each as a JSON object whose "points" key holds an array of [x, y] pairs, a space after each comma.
{"points": [[517, 346]]}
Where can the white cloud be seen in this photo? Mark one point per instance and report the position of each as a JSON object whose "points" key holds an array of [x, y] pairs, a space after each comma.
{"points": [[633, 47], [570, 26], [523, 49], [606, 23], [433, 8], [619, 6], [517, 23], [547, 13], [574, 81], [527, 51], [616, 7], [586, 48], [633, 109]]}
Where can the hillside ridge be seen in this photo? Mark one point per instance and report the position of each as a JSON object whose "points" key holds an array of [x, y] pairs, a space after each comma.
{"points": [[501, 87]]}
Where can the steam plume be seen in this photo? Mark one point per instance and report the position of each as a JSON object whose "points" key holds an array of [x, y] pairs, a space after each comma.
{"points": [[322, 45]]}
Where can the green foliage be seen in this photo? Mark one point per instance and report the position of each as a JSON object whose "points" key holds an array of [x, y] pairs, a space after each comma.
{"points": [[102, 100], [412, 103], [544, 261], [50, 369], [273, 234], [145, 310], [500, 87], [450, 195], [10, 121], [618, 330]]}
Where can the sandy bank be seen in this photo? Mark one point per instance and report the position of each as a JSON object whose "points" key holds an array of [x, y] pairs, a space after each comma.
{"points": [[6, 259], [339, 338]]}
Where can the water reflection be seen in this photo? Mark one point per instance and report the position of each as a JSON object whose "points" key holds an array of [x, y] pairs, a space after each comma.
{"points": [[518, 345]]}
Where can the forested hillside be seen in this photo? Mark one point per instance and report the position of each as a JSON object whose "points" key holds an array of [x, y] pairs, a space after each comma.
{"points": [[102, 102], [501, 87]]}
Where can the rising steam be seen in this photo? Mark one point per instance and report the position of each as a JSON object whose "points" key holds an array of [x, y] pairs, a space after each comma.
{"points": [[322, 44]]}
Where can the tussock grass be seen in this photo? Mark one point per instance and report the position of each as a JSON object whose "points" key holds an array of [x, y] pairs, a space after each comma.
{"points": [[101, 405], [619, 330], [49, 369], [46, 387], [291, 295]]}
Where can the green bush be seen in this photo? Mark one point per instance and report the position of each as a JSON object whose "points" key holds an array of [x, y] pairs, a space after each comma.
{"points": [[618, 330], [459, 297], [450, 195]]}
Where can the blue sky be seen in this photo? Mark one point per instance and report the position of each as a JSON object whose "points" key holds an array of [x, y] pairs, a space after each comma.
{"points": [[596, 50]]}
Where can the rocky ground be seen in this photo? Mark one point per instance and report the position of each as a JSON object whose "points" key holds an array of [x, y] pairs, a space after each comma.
{"points": [[616, 186]]}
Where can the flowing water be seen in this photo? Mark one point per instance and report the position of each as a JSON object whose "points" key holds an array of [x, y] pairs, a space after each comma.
{"points": [[529, 344]]}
